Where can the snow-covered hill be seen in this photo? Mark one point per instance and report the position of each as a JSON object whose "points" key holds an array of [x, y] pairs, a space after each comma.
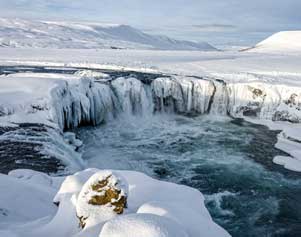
{"points": [[287, 41], [41, 34]]}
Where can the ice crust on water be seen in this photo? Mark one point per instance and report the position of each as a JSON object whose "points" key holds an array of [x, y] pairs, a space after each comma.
{"points": [[155, 208]]}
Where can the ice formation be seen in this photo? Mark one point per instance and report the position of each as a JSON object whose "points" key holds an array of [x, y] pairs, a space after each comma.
{"points": [[183, 95], [69, 101]]}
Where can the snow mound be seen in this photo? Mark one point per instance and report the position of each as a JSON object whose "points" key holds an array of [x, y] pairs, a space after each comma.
{"points": [[155, 208], [146, 225], [41, 34], [192, 221], [281, 41]]}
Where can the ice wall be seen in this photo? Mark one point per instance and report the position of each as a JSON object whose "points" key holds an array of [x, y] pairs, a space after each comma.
{"points": [[133, 96], [183, 95], [91, 102], [84, 103], [265, 101]]}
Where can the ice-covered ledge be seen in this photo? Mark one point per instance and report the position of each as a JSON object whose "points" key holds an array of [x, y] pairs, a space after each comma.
{"points": [[153, 208]]}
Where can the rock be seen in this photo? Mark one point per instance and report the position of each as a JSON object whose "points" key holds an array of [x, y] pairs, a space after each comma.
{"points": [[102, 197]]}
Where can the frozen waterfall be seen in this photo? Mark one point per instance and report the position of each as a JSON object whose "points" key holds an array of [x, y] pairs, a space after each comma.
{"points": [[94, 102]]}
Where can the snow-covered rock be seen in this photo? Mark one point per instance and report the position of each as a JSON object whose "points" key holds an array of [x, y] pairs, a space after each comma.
{"points": [[155, 208], [45, 34], [103, 197], [275, 102]]}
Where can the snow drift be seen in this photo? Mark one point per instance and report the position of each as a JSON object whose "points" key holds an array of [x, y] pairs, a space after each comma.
{"points": [[41, 34]]}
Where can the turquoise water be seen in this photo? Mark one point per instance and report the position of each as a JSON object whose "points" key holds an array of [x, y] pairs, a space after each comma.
{"points": [[230, 161]]}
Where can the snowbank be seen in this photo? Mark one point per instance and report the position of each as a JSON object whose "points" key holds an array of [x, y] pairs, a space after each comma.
{"points": [[155, 208]]}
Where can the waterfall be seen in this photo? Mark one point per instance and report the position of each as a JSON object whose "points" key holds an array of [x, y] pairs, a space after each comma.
{"points": [[133, 96], [184, 95], [220, 101]]}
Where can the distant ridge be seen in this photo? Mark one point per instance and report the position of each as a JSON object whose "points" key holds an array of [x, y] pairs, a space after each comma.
{"points": [[21, 33]]}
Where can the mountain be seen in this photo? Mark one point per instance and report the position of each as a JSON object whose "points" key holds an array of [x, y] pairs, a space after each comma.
{"points": [[286, 41], [46, 34]]}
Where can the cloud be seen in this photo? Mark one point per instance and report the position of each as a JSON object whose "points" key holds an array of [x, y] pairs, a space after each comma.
{"points": [[215, 27]]}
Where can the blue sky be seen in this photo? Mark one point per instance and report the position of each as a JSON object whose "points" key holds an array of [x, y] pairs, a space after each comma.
{"points": [[216, 21]]}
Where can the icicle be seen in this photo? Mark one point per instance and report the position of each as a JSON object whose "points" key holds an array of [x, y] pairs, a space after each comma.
{"points": [[132, 96]]}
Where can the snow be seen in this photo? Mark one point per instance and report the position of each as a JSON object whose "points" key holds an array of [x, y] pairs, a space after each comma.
{"points": [[90, 73], [145, 197], [22, 201], [147, 225], [282, 42], [192, 221], [20, 33]]}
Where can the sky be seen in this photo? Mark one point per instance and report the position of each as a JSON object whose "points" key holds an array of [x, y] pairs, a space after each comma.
{"points": [[216, 21]]}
